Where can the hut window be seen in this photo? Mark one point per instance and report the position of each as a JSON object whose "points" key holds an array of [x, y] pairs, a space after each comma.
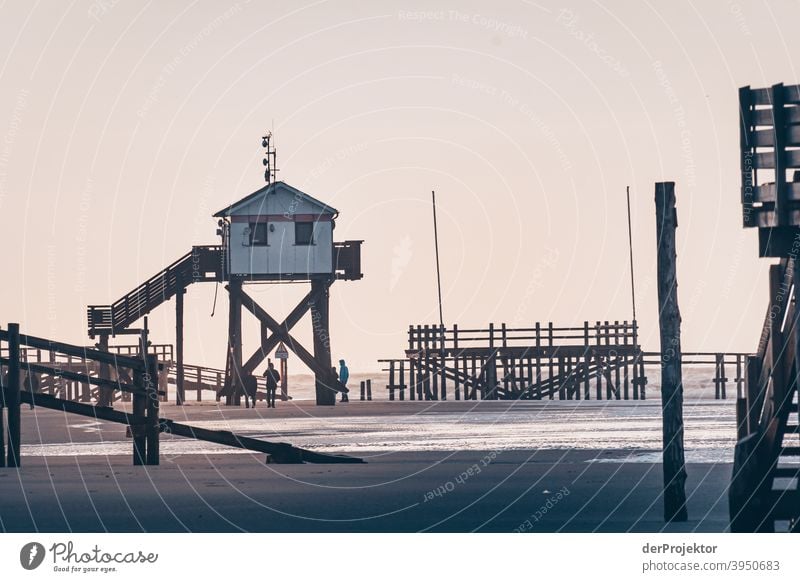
{"points": [[304, 233], [258, 234]]}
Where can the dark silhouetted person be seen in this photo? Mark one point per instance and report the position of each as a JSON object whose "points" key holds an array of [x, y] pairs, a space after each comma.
{"points": [[344, 375], [250, 390], [273, 377]]}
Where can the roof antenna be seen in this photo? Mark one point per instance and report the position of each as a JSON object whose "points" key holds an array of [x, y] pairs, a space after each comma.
{"points": [[270, 159]]}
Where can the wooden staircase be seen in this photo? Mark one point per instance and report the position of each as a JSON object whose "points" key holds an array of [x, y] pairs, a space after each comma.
{"points": [[202, 263], [764, 492]]}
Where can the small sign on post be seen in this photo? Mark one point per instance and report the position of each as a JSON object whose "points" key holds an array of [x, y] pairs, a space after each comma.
{"points": [[282, 354]]}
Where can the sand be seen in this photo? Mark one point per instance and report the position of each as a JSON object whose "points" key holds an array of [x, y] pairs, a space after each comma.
{"points": [[418, 481]]}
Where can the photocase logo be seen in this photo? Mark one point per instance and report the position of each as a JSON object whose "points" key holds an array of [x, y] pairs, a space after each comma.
{"points": [[32, 555]]}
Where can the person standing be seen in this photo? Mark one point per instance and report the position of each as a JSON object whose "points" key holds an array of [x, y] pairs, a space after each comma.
{"points": [[344, 375], [273, 377]]}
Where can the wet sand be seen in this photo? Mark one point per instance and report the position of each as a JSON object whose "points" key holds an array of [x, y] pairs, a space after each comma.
{"points": [[415, 482]]}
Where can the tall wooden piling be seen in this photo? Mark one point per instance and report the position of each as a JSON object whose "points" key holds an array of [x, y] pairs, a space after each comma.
{"points": [[180, 388], [674, 464], [152, 432], [3, 386], [13, 397], [105, 394], [402, 381], [139, 431], [234, 386], [391, 380], [320, 310]]}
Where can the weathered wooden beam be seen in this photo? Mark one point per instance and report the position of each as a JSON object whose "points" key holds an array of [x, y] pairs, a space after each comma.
{"points": [[72, 407], [305, 356], [3, 385], [151, 411], [326, 395], [77, 351], [180, 379], [234, 385], [280, 452], [106, 395], [270, 343], [674, 462], [13, 397], [139, 409], [75, 376]]}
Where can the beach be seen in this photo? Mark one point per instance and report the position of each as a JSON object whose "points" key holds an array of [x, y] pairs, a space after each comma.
{"points": [[496, 466]]}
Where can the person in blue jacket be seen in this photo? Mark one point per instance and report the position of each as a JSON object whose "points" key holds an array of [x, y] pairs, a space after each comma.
{"points": [[344, 375]]}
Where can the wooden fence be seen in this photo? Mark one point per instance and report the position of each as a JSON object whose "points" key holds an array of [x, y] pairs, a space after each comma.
{"points": [[144, 420], [500, 362]]}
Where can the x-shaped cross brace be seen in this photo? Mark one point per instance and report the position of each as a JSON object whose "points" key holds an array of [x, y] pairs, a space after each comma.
{"points": [[280, 332]]}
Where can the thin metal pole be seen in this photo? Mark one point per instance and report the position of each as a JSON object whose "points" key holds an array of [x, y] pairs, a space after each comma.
{"points": [[630, 251], [438, 271]]}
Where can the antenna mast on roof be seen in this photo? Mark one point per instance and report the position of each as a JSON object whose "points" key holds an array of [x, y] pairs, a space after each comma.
{"points": [[270, 159]]}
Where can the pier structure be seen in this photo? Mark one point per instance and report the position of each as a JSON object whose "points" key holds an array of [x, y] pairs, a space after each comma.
{"points": [[764, 494]]}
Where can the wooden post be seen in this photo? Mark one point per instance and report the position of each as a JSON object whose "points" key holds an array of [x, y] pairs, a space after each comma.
{"points": [[550, 356], [233, 380], [13, 397], [369, 389], [180, 389], [470, 389], [326, 395], [443, 362], [402, 380], [490, 391], [753, 373], [739, 376], [433, 370], [599, 363], [642, 378], [152, 410], [456, 356], [391, 380], [139, 432], [587, 360], [626, 362], [106, 395], [412, 380], [284, 372], [363, 390], [674, 464], [538, 390], [3, 387]]}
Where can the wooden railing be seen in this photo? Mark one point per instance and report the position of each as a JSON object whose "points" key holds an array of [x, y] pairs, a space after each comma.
{"points": [[144, 420], [202, 263], [722, 362], [763, 410], [539, 335]]}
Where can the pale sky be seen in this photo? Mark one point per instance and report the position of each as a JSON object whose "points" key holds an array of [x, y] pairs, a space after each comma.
{"points": [[124, 125]]}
